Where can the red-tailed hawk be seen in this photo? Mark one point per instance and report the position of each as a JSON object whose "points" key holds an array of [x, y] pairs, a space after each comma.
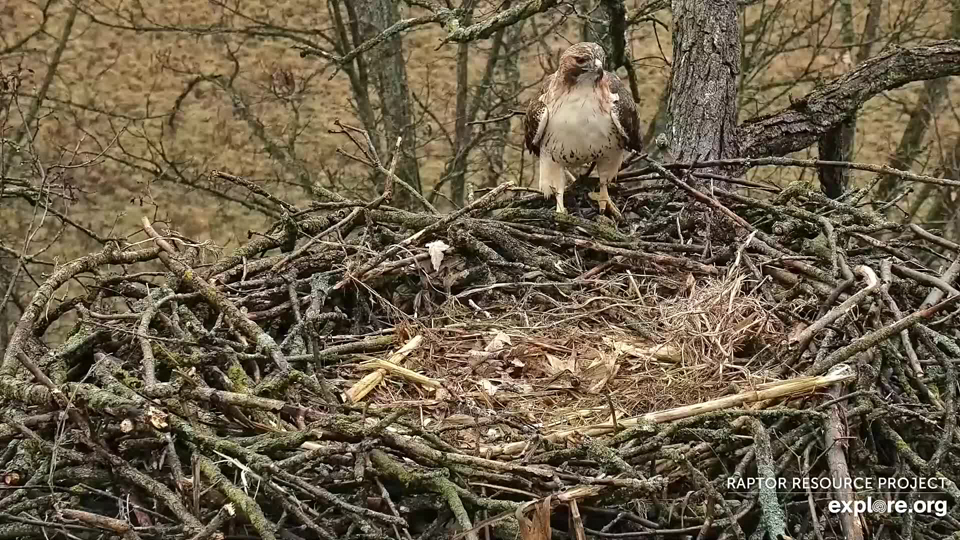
{"points": [[582, 115]]}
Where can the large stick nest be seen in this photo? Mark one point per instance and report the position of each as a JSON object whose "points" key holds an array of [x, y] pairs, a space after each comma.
{"points": [[364, 371]]}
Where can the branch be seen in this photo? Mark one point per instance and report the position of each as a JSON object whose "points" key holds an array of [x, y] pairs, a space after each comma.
{"points": [[487, 28], [54, 64], [394, 30], [804, 122]]}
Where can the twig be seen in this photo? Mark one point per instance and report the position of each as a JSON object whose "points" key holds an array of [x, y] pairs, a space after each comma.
{"points": [[225, 514], [872, 283], [476, 205], [218, 299], [877, 336], [123, 528]]}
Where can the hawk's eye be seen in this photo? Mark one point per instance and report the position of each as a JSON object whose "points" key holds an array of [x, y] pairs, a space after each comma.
{"points": [[582, 59]]}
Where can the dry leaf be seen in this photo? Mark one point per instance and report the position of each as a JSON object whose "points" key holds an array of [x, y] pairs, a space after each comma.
{"points": [[665, 352], [600, 371], [556, 364], [156, 417], [499, 341], [488, 387], [494, 348], [436, 249]]}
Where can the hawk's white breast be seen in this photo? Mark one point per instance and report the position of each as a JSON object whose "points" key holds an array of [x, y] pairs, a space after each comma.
{"points": [[579, 131]]}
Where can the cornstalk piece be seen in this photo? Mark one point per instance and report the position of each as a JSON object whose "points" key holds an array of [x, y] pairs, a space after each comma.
{"points": [[576, 522], [366, 385], [539, 527], [782, 389], [408, 374]]}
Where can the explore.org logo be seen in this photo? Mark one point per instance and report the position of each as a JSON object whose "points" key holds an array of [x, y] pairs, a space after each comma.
{"points": [[884, 506]]}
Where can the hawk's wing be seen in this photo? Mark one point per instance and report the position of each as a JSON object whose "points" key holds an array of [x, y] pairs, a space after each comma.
{"points": [[535, 122], [624, 112]]}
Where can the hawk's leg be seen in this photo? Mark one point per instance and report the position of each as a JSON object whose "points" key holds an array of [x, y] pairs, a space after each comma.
{"points": [[607, 169], [559, 194], [553, 180]]}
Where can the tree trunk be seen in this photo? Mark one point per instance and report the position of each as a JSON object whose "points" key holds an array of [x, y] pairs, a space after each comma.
{"points": [[702, 107], [617, 33], [838, 143], [461, 127], [943, 205], [387, 62], [911, 142], [508, 73], [595, 27], [356, 69]]}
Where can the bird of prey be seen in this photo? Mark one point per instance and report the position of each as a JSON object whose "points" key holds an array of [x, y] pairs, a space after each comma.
{"points": [[582, 115]]}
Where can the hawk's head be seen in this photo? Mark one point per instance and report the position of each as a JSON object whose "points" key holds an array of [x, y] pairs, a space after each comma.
{"points": [[582, 62]]}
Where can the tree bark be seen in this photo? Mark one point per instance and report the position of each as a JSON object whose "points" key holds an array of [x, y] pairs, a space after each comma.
{"points": [[617, 15], [702, 107], [837, 145], [387, 62]]}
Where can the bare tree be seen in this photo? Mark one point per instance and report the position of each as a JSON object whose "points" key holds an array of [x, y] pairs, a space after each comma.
{"points": [[454, 112], [838, 144], [389, 65], [929, 103]]}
